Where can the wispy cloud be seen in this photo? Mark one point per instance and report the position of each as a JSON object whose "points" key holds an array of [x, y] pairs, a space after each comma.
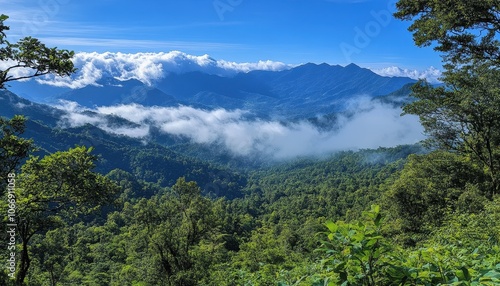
{"points": [[88, 30], [51, 22], [32, 19], [431, 74], [137, 44]]}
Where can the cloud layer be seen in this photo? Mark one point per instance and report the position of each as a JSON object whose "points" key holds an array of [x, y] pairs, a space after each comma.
{"points": [[148, 67], [374, 125]]}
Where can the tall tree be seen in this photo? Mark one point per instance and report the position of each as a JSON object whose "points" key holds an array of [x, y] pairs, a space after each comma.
{"points": [[30, 58], [54, 188], [464, 116], [183, 232]]}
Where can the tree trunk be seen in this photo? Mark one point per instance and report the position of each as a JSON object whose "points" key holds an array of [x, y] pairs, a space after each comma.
{"points": [[25, 264]]}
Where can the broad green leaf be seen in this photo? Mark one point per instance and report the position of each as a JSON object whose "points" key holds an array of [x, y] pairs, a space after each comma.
{"points": [[331, 226]]}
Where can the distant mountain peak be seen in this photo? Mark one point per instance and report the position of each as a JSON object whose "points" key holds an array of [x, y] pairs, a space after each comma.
{"points": [[352, 65]]}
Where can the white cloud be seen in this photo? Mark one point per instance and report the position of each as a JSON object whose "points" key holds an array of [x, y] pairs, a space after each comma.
{"points": [[375, 125], [134, 132], [22, 105], [431, 74], [148, 67], [76, 116], [246, 67]]}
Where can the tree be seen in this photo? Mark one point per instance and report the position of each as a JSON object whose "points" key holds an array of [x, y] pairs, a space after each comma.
{"points": [[13, 148], [32, 57], [183, 232], [463, 115], [428, 188], [55, 188], [25, 59], [464, 30]]}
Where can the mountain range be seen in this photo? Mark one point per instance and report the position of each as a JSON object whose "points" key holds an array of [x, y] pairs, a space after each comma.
{"points": [[266, 114], [300, 92]]}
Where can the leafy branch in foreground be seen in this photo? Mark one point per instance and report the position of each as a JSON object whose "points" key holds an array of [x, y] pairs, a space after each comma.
{"points": [[30, 58], [354, 250], [358, 254]]}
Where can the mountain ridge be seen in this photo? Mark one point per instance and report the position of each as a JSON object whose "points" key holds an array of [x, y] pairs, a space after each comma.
{"points": [[302, 91]]}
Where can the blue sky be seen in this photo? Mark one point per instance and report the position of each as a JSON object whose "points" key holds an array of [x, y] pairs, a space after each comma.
{"points": [[291, 31]]}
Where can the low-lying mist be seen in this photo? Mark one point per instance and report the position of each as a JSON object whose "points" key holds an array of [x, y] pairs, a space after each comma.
{"points": [[370, 124]]}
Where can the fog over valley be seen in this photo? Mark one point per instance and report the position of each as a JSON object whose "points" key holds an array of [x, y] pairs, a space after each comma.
{"points": [[370, 124]]}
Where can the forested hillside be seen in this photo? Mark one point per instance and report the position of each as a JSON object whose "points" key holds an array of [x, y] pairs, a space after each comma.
{"points": [[84, 207]]}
